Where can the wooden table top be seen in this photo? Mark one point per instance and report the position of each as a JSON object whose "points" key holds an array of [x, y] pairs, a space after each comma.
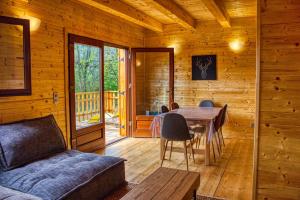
{"points": [[198, 113], [166, 183]]}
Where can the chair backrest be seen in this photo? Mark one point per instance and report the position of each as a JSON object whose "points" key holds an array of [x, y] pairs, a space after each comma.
{"points": [[164, 109], [220, 119], [174, 106], [174, 127], [206, 103], [224, 115]]}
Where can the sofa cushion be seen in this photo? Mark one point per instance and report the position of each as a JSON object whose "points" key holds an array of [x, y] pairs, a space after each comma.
{"points": [[68, 175], [9, 194], [29, 140]]}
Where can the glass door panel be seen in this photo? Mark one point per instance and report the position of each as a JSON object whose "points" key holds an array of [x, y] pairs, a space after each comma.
{"points": [[152, 82], [152, 86], [87, 85], [86, 92]]}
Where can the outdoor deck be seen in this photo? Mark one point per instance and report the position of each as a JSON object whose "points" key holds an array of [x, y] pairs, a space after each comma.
{"points": [[88, 112]]}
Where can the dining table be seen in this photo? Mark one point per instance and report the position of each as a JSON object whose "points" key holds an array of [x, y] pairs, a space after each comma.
{"points": [[194, 115]]}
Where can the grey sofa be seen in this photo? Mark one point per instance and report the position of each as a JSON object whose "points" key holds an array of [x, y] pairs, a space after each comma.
{"points": [[34, 160]]}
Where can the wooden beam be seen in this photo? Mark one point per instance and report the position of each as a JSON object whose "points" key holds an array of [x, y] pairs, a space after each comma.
{"points": [[175, 12], [124, 11], [218, 10]]}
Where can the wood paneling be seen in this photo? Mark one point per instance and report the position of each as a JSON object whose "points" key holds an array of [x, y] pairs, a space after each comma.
{"points": [[48, 52], [217, 9], [235, 84], [124, 11], [278, 172], [147, 7], [175, 12], [235, 8]]}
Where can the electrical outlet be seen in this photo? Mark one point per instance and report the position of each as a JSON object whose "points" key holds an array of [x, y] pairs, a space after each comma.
{"points": [[55, 97], [252, 125]]}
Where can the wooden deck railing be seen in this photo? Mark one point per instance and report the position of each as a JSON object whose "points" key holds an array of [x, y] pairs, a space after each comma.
{"points": [[88, 103]]}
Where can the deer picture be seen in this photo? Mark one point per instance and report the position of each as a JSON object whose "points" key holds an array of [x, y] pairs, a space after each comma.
{"points": [[203, 66]]}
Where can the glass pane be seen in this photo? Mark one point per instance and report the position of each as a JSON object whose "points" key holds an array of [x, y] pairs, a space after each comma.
{"points": [[87, 85], [11, 57], [152, 82]]}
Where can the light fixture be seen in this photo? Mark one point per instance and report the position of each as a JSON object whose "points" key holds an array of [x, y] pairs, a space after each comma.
{"points": [[33, 21], [138, 63], [236, 45]]}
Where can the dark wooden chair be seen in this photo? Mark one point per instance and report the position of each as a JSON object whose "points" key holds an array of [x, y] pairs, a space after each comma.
{"points": [[175, 128], [164, 109], [174, 106]]}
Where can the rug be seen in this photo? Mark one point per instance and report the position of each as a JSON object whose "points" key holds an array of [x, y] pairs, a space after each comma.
{"points": [[122, 191]]}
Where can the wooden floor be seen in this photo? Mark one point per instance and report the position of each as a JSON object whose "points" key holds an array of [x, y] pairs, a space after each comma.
{"points": [[230, 177]]}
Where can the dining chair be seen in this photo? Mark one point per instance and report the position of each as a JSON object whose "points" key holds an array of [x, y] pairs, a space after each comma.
{"points": [[217, 124], [220, 131], [174, 128], [174, 106], [206, 103], [164, 109]]}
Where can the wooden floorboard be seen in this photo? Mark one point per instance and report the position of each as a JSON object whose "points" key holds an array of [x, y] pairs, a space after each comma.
{"points": [[230, 177]]}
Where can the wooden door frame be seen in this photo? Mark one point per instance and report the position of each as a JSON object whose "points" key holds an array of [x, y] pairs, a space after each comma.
{"points": [[72, 38], [127, 81], [133, 79]]}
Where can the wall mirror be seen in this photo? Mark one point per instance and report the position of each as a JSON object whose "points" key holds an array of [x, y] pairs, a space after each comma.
{"points": [[14, 57]]}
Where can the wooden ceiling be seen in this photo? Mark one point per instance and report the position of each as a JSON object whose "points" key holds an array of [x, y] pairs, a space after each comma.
{"points": [[154, 14]]}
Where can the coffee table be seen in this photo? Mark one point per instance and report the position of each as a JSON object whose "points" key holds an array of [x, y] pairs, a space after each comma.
{"points": [[166, 183]]}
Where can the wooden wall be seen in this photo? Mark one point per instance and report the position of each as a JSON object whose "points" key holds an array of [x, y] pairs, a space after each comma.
{"points": [[279, 134], [235, 71], [48, 51]]}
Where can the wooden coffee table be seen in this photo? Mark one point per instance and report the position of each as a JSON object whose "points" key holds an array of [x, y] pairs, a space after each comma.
{"points": [[166, 183]]}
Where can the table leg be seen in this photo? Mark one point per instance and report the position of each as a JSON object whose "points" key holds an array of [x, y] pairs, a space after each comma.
{"points": [[207, 146], [162, 146], [195, 194]]}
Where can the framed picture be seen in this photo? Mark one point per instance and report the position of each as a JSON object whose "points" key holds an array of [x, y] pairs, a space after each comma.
{"points": [[204, 67]]}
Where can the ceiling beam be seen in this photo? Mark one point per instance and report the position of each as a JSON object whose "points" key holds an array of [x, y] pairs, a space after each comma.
{"points": [[124, 11], [217, 9], [175, 12]]}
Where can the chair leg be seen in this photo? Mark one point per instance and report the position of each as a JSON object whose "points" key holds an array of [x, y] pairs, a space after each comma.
{"points": [[212, 142], [165, 149], [185, 155], [192, 151], [222, 136], [199, 140], [218, 143], [171, 150]]}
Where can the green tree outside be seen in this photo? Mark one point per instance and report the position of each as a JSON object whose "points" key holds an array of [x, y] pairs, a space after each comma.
{"points": [[87, 75]]}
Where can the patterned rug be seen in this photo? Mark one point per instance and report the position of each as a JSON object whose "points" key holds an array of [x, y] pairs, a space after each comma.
{"points": [[118, 194]]}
